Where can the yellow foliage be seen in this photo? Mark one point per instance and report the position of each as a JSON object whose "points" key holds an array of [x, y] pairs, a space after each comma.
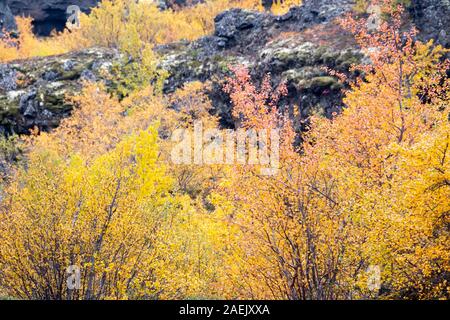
{"points": [[96, 195], [130, 26], [368, 191], [87, 215], [27, 44]]}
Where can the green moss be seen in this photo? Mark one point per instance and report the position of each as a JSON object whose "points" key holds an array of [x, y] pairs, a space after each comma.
{"points": [[8, 108], [193, 54], [222, 63], [72, 74], [322, 82], [310, 78], [10, 149], [346, 59], [286, 56], [194, 64]]}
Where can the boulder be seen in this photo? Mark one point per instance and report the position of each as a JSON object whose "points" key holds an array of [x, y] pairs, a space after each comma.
{"points": [[432, 18], [33, 92]]}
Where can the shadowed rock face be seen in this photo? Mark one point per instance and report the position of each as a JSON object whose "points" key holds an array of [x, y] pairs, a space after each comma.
{"points": [[432, 18], [6, 17], [47, 14]]}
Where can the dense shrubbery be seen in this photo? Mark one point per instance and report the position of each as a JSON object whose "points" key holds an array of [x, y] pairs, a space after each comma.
{"points": [[367, 190]]}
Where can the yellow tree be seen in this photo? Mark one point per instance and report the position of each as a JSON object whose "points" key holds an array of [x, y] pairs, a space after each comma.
{"points": [[400, 108], [95, 197], [105, 218]]}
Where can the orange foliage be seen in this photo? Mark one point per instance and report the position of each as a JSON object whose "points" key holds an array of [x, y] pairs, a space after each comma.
{"points": [[27, 44], [368, 189], [119, 23]]}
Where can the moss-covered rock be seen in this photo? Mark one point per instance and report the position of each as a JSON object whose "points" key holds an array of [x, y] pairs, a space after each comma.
{"points": [[33, 92]]}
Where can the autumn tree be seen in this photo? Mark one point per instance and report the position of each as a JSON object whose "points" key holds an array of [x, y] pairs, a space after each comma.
{"points": [[366, 190], [25, 44], [295, 241], [104, 217], [95, 196], [399, 108]]}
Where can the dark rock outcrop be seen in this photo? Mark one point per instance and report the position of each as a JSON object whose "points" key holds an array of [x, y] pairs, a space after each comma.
{"points": [[47, 14], [33, 92], [178, 3], [6, 17], [432, 18], [295, 48]]}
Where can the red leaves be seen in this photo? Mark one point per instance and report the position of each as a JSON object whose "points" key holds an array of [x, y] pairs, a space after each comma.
{"points": [[256, 108]]}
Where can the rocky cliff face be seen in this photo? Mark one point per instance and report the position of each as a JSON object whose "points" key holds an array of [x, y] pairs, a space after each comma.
{"points": [[33, 92], [432, 18], [51, 14], [294, 48]]}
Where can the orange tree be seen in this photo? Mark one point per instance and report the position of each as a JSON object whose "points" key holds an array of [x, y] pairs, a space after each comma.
{"points": [[368, 188]]}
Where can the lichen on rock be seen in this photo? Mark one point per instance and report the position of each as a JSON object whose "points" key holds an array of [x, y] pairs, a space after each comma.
{"points": [[296, 48], [33, 92]]}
